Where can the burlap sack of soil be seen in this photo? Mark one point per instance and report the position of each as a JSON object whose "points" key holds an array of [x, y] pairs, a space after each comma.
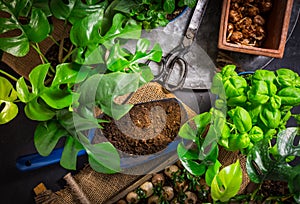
{"points": [[89, 186]]}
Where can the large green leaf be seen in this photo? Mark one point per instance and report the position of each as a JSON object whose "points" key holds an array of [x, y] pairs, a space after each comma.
{"points": [[211, 172], [103, 157], [38, 110], [102, 89], [41, 100], [7, 91], [261, 166], [36, 30], [9, 111], [69, 73], [227, 182], [214, 133], [38, 27], [75, 10], [121, 28], [69, 155], [87, 30], [46, 136], [194, 162], [112, 85], [120, 59]]}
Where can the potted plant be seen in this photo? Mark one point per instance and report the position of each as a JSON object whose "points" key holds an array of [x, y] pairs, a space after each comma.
{"points": [[91, 72], [249, 116]]}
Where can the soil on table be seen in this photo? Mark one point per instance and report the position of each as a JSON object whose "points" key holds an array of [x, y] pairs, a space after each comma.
{"points": [[146, 129]]}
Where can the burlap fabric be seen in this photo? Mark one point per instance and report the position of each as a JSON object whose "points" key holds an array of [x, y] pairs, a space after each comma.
{"points": [[89, 186]]}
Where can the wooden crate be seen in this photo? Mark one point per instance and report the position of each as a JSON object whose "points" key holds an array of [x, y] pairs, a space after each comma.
{"points": [[277, 25]]}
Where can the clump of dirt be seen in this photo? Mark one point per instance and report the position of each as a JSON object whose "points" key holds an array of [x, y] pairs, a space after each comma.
{"points": [[146, 129], [176, 13]]}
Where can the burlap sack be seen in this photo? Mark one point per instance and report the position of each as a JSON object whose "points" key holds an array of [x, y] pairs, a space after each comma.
{"points": [[89, 186]]}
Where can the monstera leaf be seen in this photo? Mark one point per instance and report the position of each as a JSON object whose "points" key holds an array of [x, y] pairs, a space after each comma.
{"points": [[261, 166], [42, 101], [75, 10], [8, 109], [36, 30]]}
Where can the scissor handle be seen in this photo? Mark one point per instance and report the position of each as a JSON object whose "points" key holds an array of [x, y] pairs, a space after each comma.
{"points": [[162, 65], [183, 73]]}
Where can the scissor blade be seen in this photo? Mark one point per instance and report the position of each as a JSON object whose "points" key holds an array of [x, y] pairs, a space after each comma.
{"points": [[195, 22]]}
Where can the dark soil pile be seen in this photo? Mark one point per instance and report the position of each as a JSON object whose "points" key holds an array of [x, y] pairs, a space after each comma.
{"points": [[146, 129]]}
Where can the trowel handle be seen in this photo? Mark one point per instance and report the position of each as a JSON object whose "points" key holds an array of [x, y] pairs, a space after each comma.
{"points": [[35, 161]]}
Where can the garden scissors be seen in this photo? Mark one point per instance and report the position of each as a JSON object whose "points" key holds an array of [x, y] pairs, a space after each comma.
{"points": [[175, 56]]}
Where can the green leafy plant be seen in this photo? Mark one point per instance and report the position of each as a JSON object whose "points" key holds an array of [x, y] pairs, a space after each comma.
{"points": [[250, 111], [152, 13], [258, 105], [8, 97], [262, 164], [90, 74]]}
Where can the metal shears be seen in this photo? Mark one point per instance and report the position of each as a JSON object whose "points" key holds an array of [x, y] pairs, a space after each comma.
{"points": [[175, 57]]}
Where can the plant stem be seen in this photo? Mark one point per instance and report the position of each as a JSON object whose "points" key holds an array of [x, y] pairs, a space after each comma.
{"points": [[42, 57], [70, 52], [52, 38], [37, 49], [255, 192], [8, 75]]}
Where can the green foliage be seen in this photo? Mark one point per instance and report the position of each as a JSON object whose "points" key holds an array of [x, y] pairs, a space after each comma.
{"points": [[227, 182], [101, 90], [8, 96], [42, 100], [151, 13], [35, 31], [262, 166], [204, 130], [75, 10], [262, 100]]}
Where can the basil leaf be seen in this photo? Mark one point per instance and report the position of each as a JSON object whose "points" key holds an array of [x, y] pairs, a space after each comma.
{"points": [[242, 120], [259, 93], [169, 6], [286, 77], [290, 96], [270, 118], [264, 75]]}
